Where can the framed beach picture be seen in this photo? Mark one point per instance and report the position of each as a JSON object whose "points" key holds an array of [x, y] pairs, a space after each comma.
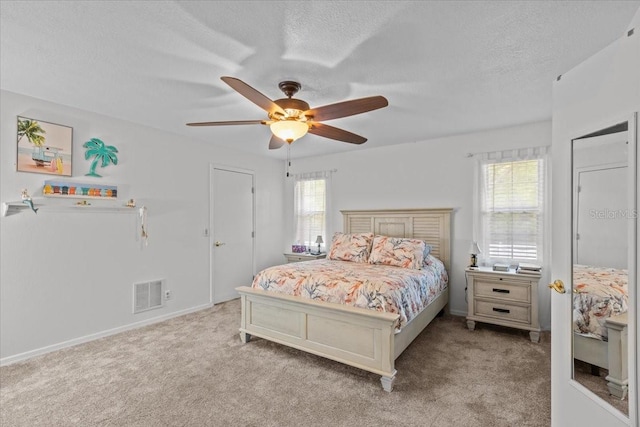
{"points": [[44, 147]]}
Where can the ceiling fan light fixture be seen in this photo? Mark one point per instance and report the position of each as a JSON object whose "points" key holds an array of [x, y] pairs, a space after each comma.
{"points": [[289, 130]]}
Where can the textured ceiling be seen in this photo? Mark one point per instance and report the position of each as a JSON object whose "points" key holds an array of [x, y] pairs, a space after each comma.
{"points": [[446, 67]]}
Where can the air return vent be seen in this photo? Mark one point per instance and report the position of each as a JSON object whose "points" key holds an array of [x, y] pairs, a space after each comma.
{"points": [[147, 295]]}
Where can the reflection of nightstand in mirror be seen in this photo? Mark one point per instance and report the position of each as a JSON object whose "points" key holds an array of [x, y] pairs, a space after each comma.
{"points": [[503, 298], [303, 257]]}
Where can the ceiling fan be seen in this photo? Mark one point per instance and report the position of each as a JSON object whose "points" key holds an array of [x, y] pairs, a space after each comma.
{"points": [[291, 118]]}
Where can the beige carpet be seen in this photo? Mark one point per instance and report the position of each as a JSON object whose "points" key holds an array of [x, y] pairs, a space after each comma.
{"points": [[194, 371]]}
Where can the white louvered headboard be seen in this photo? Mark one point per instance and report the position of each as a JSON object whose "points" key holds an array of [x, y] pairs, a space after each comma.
{"points": [[431, 225]]}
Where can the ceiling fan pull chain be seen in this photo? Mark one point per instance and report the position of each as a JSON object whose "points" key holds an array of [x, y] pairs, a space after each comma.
{"points": [[288, 158]]}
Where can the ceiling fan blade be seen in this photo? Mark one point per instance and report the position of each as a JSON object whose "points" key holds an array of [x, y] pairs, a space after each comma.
{"points": [[227, 123], [253, 95], [275, 143], [331, 132], [347, 108]]}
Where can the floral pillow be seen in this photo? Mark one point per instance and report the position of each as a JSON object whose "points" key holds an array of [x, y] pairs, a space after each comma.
{"points": [[397, 251], [351, 247]]}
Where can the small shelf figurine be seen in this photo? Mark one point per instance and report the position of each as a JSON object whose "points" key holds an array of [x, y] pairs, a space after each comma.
{"points": [[26, 199], [131, 203]]}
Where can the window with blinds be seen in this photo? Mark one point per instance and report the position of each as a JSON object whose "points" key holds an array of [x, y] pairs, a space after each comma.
{"points": [[310, 200], [512, 210]]}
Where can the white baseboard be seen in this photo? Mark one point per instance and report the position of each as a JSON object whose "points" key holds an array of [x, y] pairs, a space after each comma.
{"points": [[458, 313], [70, 343]]}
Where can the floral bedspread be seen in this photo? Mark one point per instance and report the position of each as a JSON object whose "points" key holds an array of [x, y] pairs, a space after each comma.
{"points": [[378, 287], [601, 293]]}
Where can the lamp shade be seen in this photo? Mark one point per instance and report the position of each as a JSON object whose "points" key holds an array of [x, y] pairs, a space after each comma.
{"points": [[289, 130], [474, 249], [319, 240]]}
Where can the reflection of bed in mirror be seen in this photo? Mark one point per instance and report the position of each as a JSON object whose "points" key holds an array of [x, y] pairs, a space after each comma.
{"points": [[600, 304]]}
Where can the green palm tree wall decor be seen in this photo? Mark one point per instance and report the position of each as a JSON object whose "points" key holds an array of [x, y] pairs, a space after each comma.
{"points": [[32, 130], [100, 153]]}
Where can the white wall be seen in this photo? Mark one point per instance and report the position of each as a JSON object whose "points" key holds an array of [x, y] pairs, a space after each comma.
{"points": [[429, 174], [68, 276]]}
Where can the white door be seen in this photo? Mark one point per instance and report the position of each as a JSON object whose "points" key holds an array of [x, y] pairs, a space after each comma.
{"points": [[572, 403], [596, 94], [232, 233], [601, 237]]}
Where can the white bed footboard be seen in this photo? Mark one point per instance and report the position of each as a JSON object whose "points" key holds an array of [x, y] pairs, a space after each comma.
{"points": [[353, 336], [610, 355]]}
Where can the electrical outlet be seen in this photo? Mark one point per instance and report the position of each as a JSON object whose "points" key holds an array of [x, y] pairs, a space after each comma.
{"points": [[167, 294]]}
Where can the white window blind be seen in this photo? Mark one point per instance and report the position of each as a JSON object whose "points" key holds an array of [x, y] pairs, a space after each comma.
{"points": [[310, 203], [512, 202]]}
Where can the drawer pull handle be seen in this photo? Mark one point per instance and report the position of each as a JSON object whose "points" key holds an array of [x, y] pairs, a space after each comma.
{"points": [[501, 310], [502, 291]]}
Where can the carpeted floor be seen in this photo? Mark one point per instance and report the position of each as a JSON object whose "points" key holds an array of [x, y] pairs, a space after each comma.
{"points": [[194, 371], [598, 385]]}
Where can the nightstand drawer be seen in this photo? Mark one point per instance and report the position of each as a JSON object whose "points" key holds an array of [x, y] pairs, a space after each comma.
{"points": [[496, 310], [293, 258], [304, 257], [502, 290]]}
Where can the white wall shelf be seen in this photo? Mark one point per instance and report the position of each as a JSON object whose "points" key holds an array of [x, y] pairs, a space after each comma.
{"points": [[9, 208]]}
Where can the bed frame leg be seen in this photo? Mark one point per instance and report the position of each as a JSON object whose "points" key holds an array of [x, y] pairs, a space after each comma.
{"points": [[245, 337], [616, 389], [387, 383]]}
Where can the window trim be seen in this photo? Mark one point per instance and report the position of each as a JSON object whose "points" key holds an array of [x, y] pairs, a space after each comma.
{"points": [[314, 176], [540, 210]]}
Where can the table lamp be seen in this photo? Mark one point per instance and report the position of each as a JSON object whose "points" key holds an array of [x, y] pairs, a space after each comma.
{"points": [[474, 250], [319, 241]]}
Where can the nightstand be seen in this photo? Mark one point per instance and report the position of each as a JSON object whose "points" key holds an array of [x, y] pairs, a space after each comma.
{"points": [[503, 298], [291, 257]]}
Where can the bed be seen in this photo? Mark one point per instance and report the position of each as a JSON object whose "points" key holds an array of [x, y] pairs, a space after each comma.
{"points": [[367, 338], [600, 304]]}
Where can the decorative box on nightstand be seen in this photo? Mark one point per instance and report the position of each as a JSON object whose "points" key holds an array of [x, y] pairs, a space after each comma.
{"points": [[503, 298], [303, 257]]}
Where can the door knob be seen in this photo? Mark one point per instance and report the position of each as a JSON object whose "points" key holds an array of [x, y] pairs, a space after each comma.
{"points": [[558, 286], [219, 243]]}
